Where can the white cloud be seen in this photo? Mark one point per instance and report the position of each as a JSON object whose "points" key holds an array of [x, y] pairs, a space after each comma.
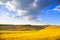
{"points": [[21, 12], [39, 19], [1, 2], [11, 5], [13, 16], [26, 17], [34, 3], [57, 8], [6, 15], [26, 13]]}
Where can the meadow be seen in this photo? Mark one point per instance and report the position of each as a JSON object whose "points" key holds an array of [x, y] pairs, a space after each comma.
{"points": [[48, 33]]}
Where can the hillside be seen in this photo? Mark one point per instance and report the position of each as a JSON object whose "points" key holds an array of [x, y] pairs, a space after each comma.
{"points": [[21, 27], [27, 27], [48, 33]]}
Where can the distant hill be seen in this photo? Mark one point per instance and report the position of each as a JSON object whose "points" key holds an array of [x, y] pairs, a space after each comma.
{"points": [[26, 27]]}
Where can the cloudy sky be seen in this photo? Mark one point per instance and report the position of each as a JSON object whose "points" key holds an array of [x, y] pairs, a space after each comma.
{"points": [[29, 11]]}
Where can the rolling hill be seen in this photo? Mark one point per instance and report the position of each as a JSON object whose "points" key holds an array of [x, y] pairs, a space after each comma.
{"points": [[45, 32], [22, 27]]}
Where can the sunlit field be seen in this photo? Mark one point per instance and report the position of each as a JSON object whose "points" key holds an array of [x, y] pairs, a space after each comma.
{"points": [[43, 34]]}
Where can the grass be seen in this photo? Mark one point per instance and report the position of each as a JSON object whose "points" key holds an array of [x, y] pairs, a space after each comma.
{"points": [[44, 34]]}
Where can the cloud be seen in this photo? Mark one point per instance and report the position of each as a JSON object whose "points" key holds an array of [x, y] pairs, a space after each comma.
{"points": [[21, 12], [27, 9], [24, 10], [34, 4], [1, 2], [10, 6], [6, 15], [57, 8]]}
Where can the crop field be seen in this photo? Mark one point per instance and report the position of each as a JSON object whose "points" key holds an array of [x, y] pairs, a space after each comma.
{"points": [[43, 34]]}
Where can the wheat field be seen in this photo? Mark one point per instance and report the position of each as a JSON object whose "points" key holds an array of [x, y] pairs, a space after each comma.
{"points": [[44, 34]]}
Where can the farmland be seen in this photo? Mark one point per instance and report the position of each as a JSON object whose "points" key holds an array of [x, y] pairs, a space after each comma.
{"points": [[46, 33]]}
